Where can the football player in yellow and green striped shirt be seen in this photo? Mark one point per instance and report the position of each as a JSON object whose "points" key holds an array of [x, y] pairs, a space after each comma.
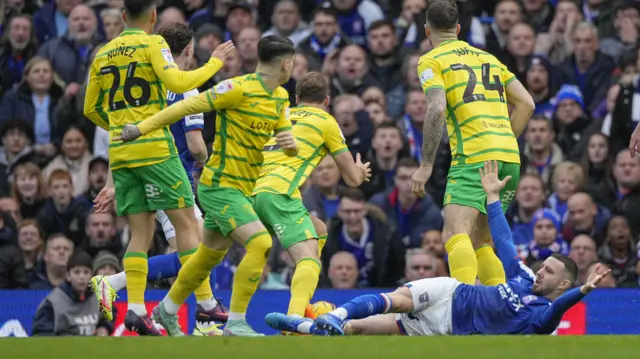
{"points": [[250, 109], [471, 89], [278, 202], [127, 82]]}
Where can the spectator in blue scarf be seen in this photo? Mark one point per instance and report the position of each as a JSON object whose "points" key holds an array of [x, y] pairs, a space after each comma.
{"points": [[546, 237]]}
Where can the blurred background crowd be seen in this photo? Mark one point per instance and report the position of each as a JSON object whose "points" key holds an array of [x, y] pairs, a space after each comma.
{"points": [[579, 193]]}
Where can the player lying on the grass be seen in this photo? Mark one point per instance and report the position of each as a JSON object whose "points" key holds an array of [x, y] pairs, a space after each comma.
{"points": [[277, 199], [526, 304], [187, 135], [127, 82], [249, 109]]}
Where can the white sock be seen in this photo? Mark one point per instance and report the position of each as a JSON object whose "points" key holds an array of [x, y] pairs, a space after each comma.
{"points": [[139, 309], [340, 313], [117, 281], [305, 327], [237, 316], [208, 304], [170, 306]]}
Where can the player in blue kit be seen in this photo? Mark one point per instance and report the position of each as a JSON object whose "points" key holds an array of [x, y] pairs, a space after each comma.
{"points": [[191, 148], [526, 304]]}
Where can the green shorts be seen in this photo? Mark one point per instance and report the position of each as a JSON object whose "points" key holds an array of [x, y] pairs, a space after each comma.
{"points": [[225, 208], [163, 185], [464, 186], [285, 217]]}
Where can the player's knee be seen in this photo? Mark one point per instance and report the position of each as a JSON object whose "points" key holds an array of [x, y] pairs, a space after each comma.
{"points": [[401, 300], [260, 244]]}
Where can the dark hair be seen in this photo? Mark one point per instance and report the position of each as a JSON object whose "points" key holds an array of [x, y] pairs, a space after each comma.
{"points": [[442, 14], [274, 46], [408, 162], [354, 194], [80, 258], [586, 164], [178, 36], [386, 125], [570, 267], [136, 8], [327, 11], [20, 125], [544, 118], [312, 87], [380, 24]]}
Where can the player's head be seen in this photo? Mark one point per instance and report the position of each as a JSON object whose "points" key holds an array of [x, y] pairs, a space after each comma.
{"points": [[180, 40], [442, 18], [140, 12], [313, 88], [277, 52], [556, 274]]}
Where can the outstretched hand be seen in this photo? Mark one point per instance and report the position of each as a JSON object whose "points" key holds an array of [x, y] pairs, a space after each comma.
{"points": [[128, 133], [364, 167], [595, 278], [491, 184], [104, 199]]}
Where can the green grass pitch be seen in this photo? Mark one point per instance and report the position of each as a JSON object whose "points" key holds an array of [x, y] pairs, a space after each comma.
{"points": [[278, 347]]}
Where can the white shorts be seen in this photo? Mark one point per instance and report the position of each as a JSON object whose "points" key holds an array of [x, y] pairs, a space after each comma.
{"points": [[167, 227], [432, 299]]}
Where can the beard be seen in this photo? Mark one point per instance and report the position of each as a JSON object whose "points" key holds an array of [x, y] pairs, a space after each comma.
{"points": [[384, 56], [18, 45]]}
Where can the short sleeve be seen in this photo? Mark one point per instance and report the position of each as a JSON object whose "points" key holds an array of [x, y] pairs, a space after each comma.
{"points": [[225, 95], [334, 138], [430, 74], [193, 122], [284, 122], [160, 55], [507, 76]]}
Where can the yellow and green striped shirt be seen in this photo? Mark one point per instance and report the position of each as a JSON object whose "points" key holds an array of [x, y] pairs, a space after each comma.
{"points": [[127, 83], [318, 134], [247, 117], [477, 113]]}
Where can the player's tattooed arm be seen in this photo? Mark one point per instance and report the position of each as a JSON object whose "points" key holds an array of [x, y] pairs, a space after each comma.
{"points": [[433, 124]]}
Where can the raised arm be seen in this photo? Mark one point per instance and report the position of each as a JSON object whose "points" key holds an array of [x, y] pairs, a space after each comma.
{"points": [[179, 81]]}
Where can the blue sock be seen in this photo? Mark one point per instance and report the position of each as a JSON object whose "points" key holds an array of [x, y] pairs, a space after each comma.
{"points": [[163, 266], [365, 306]]}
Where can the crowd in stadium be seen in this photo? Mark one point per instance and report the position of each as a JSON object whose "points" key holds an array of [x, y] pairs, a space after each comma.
{"points": [[579, 193]]}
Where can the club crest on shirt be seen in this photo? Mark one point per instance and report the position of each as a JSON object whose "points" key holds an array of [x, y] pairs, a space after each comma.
{"points": [[529, 298]]}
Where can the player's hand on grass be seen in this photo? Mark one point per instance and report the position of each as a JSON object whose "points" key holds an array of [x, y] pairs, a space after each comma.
{"points": [[129, 133], [595, 278], [104, 199], [364, 167], [419, 180], [491, 184], [223, 50]]}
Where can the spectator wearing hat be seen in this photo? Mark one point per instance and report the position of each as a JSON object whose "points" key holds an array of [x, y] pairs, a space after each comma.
{"points": [[572, 121], [588, 68], [287, 22], [17, 47], [542, 83], [619, 252], [97, 178], [106, 263], [546, 237], [72, 308]]}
